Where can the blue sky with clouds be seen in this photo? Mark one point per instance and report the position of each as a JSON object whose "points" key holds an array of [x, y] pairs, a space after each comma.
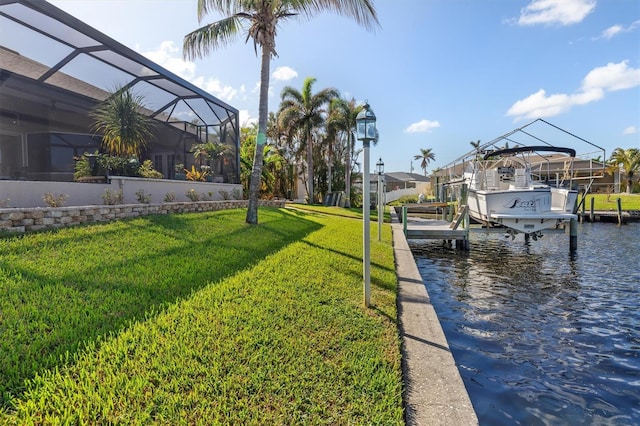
{"points": [[437, 73]]}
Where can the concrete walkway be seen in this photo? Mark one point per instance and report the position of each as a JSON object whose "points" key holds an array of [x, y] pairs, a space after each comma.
{"points": [[434, 391]]}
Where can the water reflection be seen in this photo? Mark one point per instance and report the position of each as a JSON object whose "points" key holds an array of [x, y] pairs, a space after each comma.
{"points": [[540, 336]]}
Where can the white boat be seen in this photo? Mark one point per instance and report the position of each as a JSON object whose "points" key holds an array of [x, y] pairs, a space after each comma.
{"points": [[527, 188], [502, 191]]}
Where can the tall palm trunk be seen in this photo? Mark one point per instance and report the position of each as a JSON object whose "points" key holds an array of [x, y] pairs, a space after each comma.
{"points": [[261, 140], [330, 163], [347, 178], [310, 166]]}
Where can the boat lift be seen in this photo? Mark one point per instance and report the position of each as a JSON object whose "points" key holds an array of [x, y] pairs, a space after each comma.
{"points": [[579, 172]]}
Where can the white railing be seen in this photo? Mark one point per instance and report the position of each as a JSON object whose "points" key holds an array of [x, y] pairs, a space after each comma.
{"points": [[399, 193]]}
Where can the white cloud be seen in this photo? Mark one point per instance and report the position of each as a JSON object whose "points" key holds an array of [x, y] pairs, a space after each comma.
{"points": [[614, 30], [422, 126], [539, 105], [284, 74], [631, 130], [612, 77], [611, 31], [598, 81], [215, 87], [562, 12], [246, 119], [168, 56]]}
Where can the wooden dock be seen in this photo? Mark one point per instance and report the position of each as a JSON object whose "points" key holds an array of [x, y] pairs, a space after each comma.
{"points": [[432, 229], [609, 216], [420, 228]]}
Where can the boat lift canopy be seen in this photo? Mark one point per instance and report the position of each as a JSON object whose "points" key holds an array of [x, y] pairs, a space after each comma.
{"points": [[547, 148]]}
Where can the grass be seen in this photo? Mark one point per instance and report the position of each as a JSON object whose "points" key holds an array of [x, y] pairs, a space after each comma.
{"points": [[352, 212], [609, 201], [199, 318]]}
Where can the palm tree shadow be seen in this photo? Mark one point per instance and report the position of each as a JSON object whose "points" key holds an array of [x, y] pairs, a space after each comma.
{"points": [[79, 307]]}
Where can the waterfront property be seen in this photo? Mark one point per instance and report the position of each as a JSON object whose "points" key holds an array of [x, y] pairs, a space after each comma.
{"points": [[54, 69]]}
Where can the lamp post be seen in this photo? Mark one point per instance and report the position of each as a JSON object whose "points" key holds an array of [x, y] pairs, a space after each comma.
{"points": [[366, 131], [380, 170]]}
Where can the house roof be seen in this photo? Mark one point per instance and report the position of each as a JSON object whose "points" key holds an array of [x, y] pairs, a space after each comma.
{"points": [[54, 48], [406, 177]]}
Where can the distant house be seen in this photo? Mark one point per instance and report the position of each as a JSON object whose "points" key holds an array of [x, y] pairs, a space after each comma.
{"points": [[403, 180], [54, 69]]}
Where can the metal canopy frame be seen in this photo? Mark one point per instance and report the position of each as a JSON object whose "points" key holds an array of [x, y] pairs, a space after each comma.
{"points": [[52, 47]]}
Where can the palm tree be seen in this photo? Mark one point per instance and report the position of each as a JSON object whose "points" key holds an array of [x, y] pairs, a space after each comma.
{"points": [[476, 148], [305, 111], [336, 126], [258, 20], [426, 156], [344, 118], [629, 162], [124, 127]]}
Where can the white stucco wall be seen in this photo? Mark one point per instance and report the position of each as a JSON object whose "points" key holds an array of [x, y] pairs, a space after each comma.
{"points": [[14, 193]]}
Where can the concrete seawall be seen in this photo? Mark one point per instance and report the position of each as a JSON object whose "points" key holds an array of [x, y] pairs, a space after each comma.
{"points": [[434, 392]]}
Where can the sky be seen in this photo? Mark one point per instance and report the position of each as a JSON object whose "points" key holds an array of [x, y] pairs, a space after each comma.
{"points": [[437, 73]]}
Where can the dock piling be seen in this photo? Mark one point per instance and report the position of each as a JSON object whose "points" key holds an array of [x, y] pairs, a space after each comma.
{"points": [[404, 220], [619, 202], [573, 235]]}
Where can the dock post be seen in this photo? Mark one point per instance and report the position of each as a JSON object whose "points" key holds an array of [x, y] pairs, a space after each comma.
{"points": [[584, 197], [619, 201], [404, 220], [467, 225], [573, 235], [591, 214]]}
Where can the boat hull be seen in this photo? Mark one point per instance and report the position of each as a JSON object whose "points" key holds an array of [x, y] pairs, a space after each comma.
{"points": [[527, 210]]}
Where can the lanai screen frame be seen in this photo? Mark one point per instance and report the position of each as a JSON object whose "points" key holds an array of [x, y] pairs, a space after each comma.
{"points": [[77, 50]]}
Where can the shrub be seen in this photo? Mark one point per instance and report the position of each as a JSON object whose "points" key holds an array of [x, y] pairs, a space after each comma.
{"points": [[192, 195], [82, 167], [53, 200], [169, 197], [407, 199], [146, 170], [196, 175], [237, 194], [112, 197], [111, 165], [225, 195], [143, 197]]}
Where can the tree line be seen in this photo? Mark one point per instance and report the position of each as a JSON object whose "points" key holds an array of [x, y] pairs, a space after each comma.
{"points": [[310, 138]]}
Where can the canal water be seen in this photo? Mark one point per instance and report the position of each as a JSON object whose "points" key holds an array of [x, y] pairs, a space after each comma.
{"points": [[542, 337]]}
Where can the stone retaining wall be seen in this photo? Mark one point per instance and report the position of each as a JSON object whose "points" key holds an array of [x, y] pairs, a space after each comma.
{"points": [[21, 220]]}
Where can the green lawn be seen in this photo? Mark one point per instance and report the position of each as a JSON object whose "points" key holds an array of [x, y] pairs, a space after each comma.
{"points": [[199, 318], [353, 212], [609, 201]]}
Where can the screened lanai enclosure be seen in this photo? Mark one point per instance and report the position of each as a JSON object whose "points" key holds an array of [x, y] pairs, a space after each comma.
{"points": [[54, 69]]}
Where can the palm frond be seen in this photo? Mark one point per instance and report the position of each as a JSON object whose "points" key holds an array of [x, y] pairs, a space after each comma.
{"points": [[200, 42]]}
